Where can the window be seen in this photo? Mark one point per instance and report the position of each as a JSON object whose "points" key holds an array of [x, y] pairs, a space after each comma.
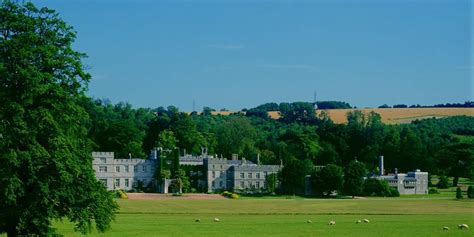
{"points": [[117, 182], [250, 175], [135, 168], [257, 184], [221, 166], [213, 184], [102, 169], [242, 184], [126, 183], [117, 169], [213, 174], [265, 174], [242, 175], [221, 184], [258, 175], [144, 168], [103, 160], [127, 169], [104, 181], [222, 173]]}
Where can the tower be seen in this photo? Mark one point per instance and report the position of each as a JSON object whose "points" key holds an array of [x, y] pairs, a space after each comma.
{"points": [[315, 101]]}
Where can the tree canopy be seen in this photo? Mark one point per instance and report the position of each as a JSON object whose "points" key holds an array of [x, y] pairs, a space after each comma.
{"points": [[45, 155]]}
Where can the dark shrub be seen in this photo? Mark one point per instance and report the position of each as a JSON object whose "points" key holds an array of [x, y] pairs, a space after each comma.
{"points": [[394, 192], [470, 191], [458, 193], [433, 191], [443, 182], [375, 187]]}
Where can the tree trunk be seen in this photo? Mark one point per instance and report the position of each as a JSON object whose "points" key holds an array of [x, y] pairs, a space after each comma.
{"points": [[455, 181], [11, 231]]}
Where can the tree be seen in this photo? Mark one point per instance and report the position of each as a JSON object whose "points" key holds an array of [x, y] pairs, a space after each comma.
{"points": [[458, 193], [45, 156], [375, 187], [442, 182], [354, 178], [470, 191], [328, 180], [292, 176], [207, 111], [271, 181]]}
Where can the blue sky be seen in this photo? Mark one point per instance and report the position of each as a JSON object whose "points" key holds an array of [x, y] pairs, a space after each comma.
{"points": [[239, 54]]}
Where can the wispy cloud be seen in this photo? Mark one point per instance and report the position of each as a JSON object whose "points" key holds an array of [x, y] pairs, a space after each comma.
{"points": [[227, 46], [289, 66]]}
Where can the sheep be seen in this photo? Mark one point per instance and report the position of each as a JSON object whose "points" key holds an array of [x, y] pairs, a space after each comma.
{"points": [[197, 220], [358, 221], [216, 219], [366, 221], [332, 223], [309, 221], [445, 228], [463, 226]]}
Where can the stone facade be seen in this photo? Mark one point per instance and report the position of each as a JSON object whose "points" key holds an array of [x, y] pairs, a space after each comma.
{"points": [[236, 175], [410, 183], [219, 173], [123, 173]]}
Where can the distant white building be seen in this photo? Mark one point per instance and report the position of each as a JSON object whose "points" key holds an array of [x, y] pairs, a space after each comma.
{"points": [[410, 183]]}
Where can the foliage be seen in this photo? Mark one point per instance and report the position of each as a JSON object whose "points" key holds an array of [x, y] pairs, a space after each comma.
{"points": [[433, 191], [292, 176], [458, 193], [271, 182], [470, 191], [328, 180], [442, 182], [375, 187], [45, 155], [354, 178]]}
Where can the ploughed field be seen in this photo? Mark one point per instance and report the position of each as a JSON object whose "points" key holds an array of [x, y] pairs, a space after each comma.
{"points": [[286, 216]]}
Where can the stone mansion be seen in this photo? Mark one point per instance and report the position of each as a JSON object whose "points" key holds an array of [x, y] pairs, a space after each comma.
{"points": [[219, 173]]}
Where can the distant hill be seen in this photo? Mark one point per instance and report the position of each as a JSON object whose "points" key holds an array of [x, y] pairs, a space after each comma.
{"points": [[389, 115]]}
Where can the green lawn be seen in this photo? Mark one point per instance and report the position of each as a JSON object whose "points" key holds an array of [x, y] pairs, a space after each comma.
{"points": [[287, 217]]}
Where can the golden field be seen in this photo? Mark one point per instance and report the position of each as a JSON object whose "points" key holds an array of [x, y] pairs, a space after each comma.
{"points": [[389, 115]]}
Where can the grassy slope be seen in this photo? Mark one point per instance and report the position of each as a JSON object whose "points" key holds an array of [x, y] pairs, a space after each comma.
{"points": [[287, 217]]}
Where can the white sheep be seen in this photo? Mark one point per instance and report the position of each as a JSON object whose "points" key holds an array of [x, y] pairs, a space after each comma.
{"points": [[358, 221], [332, 223], [445, 228], [463, 226], [309, 221], [366, 221], [216, 219]]}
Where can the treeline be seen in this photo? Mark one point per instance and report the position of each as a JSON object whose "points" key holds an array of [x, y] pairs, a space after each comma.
{"points": [[467, 104], [300, 138]]}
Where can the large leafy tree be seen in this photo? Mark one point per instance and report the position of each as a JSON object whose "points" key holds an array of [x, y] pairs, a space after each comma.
{"points": [[354, 178], [45, 158]]}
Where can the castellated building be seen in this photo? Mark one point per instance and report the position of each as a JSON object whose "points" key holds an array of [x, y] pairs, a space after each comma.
{"points": [[123, 173], [219, 173]]}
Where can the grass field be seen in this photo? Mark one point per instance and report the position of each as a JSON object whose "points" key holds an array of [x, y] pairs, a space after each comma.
{"points": [[287, 217]]}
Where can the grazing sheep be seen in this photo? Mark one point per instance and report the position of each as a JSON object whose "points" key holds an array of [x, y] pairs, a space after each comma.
{"points": [[463, 226], [332, 223], [358, 221], [197, 220], [216, 219], [445, 228], [366, 221], [309, 221]]}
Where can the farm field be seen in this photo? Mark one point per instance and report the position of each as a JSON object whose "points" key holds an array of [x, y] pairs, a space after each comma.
{"points": [[389, 115], [288, 217]]}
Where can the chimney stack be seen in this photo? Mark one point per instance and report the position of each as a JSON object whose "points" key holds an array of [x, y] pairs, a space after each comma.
{"points": [[235, 157], [381, 166]]}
